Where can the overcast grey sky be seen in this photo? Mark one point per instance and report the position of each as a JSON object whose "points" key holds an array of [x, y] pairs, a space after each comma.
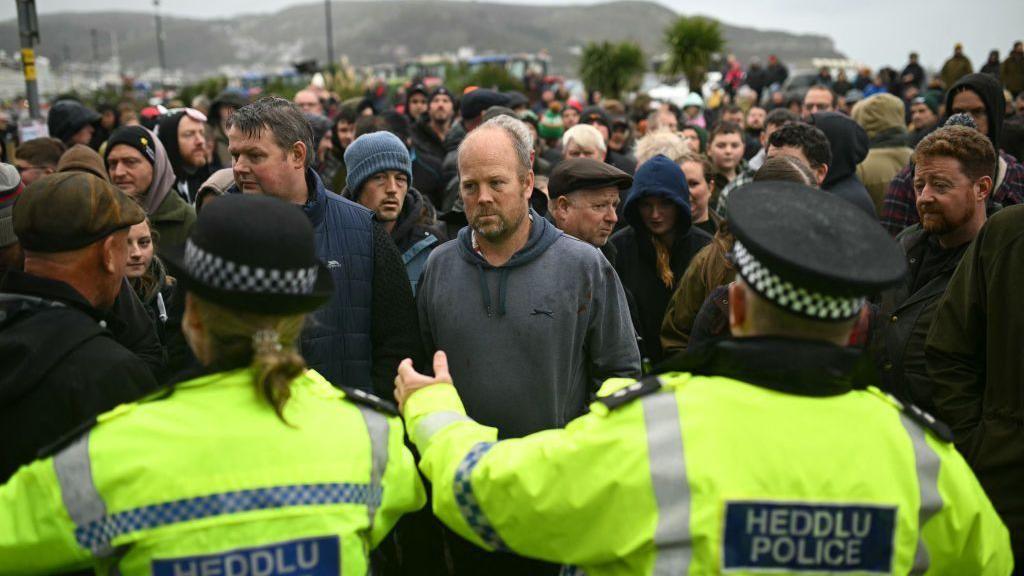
{"points": [[876, 32]]}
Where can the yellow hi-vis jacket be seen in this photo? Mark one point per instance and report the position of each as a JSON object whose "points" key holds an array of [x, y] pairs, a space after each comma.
{"points": [[208, 480], [705, 475]]}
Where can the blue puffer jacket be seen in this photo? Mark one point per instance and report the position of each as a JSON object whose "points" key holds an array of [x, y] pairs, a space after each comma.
{"points": [[336, 341]]}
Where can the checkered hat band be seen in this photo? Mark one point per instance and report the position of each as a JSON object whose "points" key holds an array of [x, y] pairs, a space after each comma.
{"points": [[795, 299], [222, 274]]}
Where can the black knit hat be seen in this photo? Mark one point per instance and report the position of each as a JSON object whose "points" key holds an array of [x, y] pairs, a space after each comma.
{"points": [[253, 253], [137, 137]]}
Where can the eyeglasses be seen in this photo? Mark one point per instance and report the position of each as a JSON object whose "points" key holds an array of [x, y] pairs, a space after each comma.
{"points": [[815, 107]]}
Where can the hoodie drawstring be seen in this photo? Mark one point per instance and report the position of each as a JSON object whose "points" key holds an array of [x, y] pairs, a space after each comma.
{"points": [[502, 282], [485, 290]]}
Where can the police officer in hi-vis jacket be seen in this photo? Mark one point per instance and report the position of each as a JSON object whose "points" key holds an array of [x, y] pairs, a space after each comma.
{"points": [[768, 452], [254, 465]]}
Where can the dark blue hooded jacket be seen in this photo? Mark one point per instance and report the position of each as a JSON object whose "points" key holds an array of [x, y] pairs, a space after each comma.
{"points": [[636, 258]]}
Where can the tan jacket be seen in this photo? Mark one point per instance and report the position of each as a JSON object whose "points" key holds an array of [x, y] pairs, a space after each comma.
{"points": [[879, 168], [708, 270]]}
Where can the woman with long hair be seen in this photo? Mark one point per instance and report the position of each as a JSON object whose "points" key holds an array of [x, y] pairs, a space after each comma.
{"points": [[254, 464], [158, 291]]}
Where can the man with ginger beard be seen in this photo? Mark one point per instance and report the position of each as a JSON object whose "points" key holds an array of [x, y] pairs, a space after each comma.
{"points": [[953, 180], [183, 134]]}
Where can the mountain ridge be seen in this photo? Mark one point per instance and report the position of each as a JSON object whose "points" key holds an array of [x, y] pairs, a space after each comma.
{"points": [[369, 32]]}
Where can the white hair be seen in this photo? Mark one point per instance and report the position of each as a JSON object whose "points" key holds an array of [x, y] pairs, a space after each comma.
{"points": [[661, 142], [585, 136], [518, 134]]}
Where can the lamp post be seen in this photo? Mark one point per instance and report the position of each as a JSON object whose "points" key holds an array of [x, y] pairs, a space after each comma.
{"points": [[160, 41], [330, 35], [28, 29]]}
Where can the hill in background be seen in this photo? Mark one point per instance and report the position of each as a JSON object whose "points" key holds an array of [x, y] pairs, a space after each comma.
{"points": [[371, 32]]}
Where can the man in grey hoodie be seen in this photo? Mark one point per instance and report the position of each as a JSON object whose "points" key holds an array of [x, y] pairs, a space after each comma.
{"points": [[532, 320]]}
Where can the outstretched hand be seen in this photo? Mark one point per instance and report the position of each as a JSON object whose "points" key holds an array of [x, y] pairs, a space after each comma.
{"points": [[409, 380]]}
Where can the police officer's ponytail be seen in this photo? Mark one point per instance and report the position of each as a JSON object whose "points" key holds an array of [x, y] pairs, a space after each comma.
{"points": [[266, 342]]}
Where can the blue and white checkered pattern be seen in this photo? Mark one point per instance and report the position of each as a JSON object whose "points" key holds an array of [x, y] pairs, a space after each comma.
{"points": [[795, 299], [466, 500], [98, 535], [222, 274]]}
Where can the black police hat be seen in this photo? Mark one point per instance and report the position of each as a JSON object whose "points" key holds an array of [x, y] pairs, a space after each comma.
{"points": [[809, 251], [585, 174], [253, 253]]}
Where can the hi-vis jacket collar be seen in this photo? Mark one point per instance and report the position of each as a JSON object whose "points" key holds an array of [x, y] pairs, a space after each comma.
{"points": [[801, 367]]}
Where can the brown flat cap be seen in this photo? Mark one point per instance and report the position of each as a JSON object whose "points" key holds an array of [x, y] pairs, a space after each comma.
{"points": [[81, 158], [70, 210], [585, 174]]}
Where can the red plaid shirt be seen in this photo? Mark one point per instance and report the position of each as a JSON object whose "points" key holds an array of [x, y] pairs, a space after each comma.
{"points": [[899, 209]]}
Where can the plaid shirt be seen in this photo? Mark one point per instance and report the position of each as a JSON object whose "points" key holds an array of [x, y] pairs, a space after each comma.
{"points": [[900, 206], [743, 177]]}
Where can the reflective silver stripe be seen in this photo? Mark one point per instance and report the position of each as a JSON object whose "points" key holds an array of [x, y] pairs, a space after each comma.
{"points": [[671, 488], [377, 426], [433, 423], [77, 489], [928, 465]]}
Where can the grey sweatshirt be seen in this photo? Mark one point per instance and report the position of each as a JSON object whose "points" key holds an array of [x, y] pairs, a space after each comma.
{"points": [[528, 342]]}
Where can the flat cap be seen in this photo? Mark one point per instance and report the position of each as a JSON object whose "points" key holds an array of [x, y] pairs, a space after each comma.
{"points": [[81, 158], [810, 252], [476, 102], [585, 174], [70, 210]]}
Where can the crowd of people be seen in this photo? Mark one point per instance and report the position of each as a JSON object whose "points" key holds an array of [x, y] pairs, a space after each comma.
{"points": [[810, 293]]}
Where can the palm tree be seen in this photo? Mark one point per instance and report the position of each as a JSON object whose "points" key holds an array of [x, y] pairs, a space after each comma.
{"points": [[692, 41], [612, 69]]}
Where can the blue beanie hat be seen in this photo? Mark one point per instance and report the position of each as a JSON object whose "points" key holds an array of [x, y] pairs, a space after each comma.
{"points": [[374, 153]]}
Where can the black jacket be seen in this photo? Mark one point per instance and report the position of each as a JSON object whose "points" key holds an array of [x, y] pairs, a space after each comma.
{"points": [[635, 261], [428, 160], [164, 302], [417, 219], [624, 162], [59, 367], [426, 141], [450, 167], [906, 313], [914, 69], [849, 143], [135, 331]]}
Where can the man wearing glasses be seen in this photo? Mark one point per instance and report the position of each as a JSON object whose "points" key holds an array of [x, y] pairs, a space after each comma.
{"points": [[818, 99], [981, 97], [37, 158], [584, 196], [183, 134]]}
